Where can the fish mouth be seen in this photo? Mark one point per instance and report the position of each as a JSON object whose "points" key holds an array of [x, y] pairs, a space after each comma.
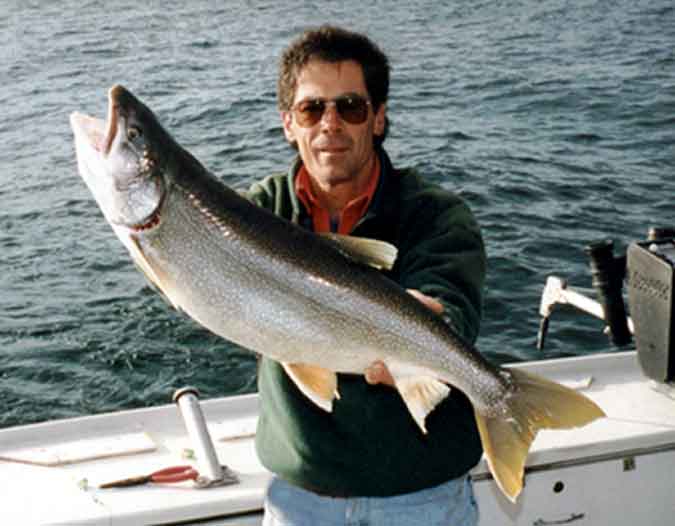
{"points": [[99, 134], [112, 119]]}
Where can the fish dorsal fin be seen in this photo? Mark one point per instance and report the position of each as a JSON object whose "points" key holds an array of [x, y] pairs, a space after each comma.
{"points": [[316, 383], [378, 254], [421, 394]]}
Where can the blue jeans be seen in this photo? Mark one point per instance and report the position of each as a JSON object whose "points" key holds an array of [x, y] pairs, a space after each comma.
{"points": [[450, 504]]}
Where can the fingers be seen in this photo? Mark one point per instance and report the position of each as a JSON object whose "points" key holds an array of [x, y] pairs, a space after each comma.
{"points": [[378, 373], [428, 301]]}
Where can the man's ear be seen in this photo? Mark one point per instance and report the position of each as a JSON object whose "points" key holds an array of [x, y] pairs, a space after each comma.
{"points": [[287, 121], [380, 119]]}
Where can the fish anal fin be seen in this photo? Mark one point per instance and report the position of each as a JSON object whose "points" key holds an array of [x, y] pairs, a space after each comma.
{"points": [[535, 403], [373, 252], [316, 383], [421, 395]]}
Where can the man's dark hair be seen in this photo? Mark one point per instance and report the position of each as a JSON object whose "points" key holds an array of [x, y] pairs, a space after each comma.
{"points": [[334, 44]]}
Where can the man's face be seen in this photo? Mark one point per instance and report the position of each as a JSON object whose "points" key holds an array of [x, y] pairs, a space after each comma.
{"points": [[333, 150]]}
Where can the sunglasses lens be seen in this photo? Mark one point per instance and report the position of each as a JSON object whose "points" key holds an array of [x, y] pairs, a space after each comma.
{"points": [[309, 112], [353, 110]]}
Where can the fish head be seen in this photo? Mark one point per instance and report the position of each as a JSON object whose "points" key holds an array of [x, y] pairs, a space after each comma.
{"points": [[121, 160]]}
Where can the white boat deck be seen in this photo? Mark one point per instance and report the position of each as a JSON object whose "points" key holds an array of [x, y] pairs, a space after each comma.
{"points": [[615, 471]]}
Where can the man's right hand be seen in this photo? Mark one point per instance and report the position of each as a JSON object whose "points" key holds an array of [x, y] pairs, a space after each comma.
{"points": [[378, 373]]}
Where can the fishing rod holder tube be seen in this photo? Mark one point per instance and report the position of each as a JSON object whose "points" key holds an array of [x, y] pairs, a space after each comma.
{"points": [[556, 292], [211, 472], [656, 233], [608, 273], [650, 280]]}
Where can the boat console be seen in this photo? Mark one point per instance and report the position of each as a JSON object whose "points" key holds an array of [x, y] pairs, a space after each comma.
{"points": [[650, 295]]}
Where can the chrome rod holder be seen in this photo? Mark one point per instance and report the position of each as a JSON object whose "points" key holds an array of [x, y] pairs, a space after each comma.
{"points": [[211, 472]]}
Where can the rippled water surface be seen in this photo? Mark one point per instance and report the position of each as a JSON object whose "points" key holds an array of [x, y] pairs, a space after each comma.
{"points": [[555, 120]]}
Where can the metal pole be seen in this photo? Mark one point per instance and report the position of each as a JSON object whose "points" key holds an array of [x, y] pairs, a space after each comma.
{"points": [[208, 465]]}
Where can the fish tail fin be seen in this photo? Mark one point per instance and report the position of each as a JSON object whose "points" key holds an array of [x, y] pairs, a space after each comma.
{"points": [[536, 403]]}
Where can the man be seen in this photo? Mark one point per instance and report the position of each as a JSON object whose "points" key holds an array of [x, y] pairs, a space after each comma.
{"points": [[366, 462]]}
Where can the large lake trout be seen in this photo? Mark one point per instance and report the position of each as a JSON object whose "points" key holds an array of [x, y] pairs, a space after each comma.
{"points": [[317, 304]]}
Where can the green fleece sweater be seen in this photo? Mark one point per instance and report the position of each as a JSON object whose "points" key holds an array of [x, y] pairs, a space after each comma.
{"points": [[369, 445]]}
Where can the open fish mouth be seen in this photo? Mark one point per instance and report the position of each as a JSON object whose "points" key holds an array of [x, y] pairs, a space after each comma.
{"points": [[99, 133]]}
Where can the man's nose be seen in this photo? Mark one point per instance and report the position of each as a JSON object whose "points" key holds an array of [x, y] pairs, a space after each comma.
{"points": [[331, 118]]}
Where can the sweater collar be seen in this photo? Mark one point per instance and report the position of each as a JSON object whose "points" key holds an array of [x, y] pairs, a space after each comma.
{"points": [[381, 205]]}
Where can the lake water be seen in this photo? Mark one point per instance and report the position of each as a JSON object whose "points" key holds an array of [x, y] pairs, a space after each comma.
{"points": [[555, 120]]}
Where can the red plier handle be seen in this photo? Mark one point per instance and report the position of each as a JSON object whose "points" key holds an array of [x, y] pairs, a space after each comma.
{"points": [[174, 474], [163, 476]]}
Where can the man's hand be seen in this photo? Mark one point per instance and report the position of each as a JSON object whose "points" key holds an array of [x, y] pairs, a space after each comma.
{"points": [[378, 373], [428, 301]]}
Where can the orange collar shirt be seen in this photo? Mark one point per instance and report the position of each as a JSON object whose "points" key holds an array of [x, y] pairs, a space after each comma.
{"points": [[350, 214]]}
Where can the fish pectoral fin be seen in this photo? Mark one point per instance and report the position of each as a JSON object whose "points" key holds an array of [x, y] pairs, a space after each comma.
{"points": [[421, 395], [536, 403], [316, 383], [378, 254]]}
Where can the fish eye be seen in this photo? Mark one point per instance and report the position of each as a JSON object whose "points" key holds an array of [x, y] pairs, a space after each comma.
{"points": [[133, 133]]}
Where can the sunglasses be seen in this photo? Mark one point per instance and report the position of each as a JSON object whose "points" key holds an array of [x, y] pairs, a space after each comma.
{"points": [[351, 108]]}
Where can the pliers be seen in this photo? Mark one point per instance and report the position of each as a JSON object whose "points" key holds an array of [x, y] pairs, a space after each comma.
{"points": [[163, 476]]}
